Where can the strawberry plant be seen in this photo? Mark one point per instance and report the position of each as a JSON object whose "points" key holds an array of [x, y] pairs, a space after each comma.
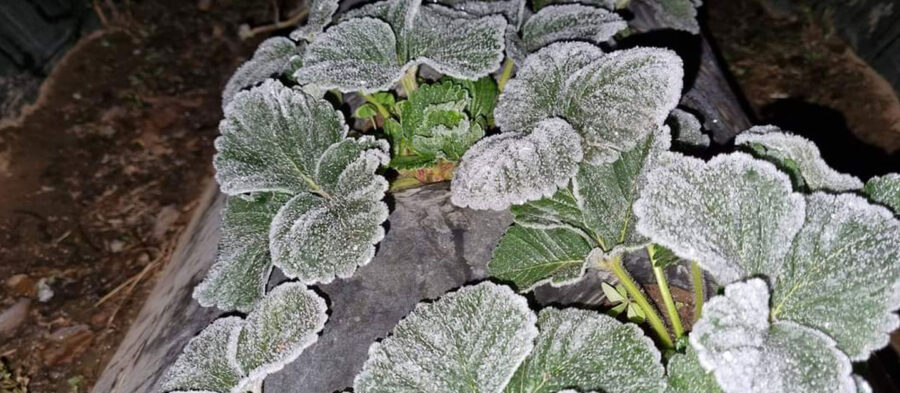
{"points": [[528, 109]]}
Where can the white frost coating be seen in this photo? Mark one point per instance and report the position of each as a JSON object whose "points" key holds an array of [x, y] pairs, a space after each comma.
{"points": [[272, 57], [204, 364], [513, 10], [613, 100], [372, 51], [285, 323], [885, 190], [688, 129], [570, 22], [735, 215], [320, 14], [799, 156], [589, 351], [841, 274], [513, 168], [685, 375], [469, 340], [272, 138], [238, 278], [861, 385], [747, 354], [359, 54]]}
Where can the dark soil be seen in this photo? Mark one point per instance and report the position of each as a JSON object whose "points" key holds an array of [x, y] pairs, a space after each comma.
{"points": [[101, 175], [796, 72]]}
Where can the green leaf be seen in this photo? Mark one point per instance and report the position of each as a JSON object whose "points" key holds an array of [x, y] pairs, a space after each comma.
{"points": [[687, 130], [735, 340], [570, 22], [798, 156], [285, 323], [448, 143], [384, 98], [606, 192], [635, 314], [841, 275], [611, 293], [204, 365], [588, 351], [529, 257], [686, 375], [614, 101], [365, 111], [513, 167], [735, 215], [558, 211], [661, 257], [483, 95], [272, 58], [273, 138], [617, 310], [316, 239], [238, 278], [471, 340], [320, 14], [885, 190], [372, 50], [675, 14]]}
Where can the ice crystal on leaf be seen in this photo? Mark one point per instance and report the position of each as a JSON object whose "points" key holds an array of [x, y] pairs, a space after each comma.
{"points": [[885, 190], [204, 365], [469, 340], [373, 48], [320, 14], [841, 272], [736, 342], [286, 322], [687, 130], [273, 138], [686, 375], [612, 100], [797, 156], [273, 57], [734, 215], [238, 278], [234, 355], [591, 351], [513, 10], [570, 22], [282, 140], [529, 257], [515, 167]]}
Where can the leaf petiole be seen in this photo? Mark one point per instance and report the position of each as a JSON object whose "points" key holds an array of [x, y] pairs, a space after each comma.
{"points": [[506, 74], [697, 283], [409, 80], [614, 264], [666, 295]]}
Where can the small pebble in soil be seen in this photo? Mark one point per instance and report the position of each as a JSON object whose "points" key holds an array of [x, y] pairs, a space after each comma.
{"points": [[44, 292]]}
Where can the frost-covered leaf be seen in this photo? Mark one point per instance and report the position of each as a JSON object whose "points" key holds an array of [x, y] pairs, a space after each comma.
{"points": [[861, 385], [735, 341], [885, 190], [204, 365], [320, 14], [570, 22], [516, 167], [735, 215], [316, 239], [285, 323], [558, 211], [605, 4], [589, 351], [529, 257], [482, 98], [238, 278], [687, 130], [372, 51], [605, 193], [471, 340], [513, 10], [675, 14], [686, 375], [272, 140], [841, 273], [272, 58], [797, 156], [449, 142], [359, 54], [614, 100]]}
